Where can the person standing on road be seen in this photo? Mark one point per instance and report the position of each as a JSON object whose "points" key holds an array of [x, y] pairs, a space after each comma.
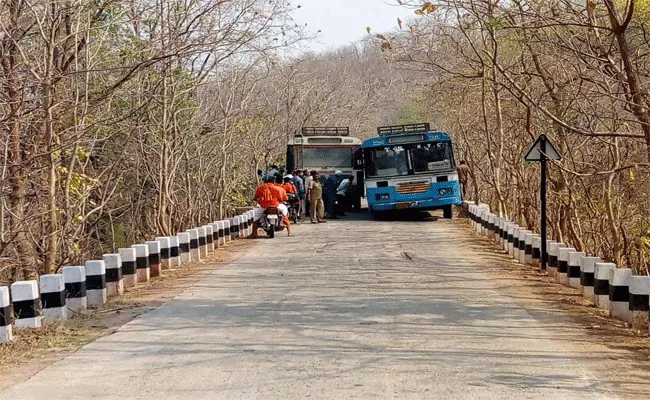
{"points": [[342, 195], [329, 195], [300, 186], [315, 194], [463, 176], [308, 179]]}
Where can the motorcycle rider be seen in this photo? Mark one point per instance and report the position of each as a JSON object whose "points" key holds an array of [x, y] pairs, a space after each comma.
{"points": [[288, 186], [267, 195]]}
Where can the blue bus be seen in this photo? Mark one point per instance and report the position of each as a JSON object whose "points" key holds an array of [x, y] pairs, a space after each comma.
{"points": [[410, 167]]}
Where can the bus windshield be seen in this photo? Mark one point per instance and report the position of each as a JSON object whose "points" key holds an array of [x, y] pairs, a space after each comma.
{"points": [[387, 161], [327, 156], [410, 159]]}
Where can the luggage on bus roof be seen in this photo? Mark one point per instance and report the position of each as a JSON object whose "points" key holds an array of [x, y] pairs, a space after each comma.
{"points": [[400, 129], [325, 131]]}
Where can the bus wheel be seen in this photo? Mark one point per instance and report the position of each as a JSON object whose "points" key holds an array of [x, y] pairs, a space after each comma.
{"points": [[447, 212]]}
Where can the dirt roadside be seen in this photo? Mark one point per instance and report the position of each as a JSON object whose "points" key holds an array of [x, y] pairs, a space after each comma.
{"points": [[542, 295], [33, 350]]}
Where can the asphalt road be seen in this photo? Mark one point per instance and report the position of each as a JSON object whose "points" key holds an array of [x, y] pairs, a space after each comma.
{"points": [[351, 309]]}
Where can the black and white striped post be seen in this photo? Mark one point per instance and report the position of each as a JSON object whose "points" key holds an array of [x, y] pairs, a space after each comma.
{"points": [[511, 239], [184, 247], [588, 277], [26, 303], [515, 242], [165, 252], [75, 288], [234, 228], [553, 253], [226, 230], [573, 271], [639, 303], [526, 241], [129, 270], [174, 252], [203, 241], [243, 226], [153, 247], [142, 262], [537, 251], [222, 232], [114, 277], [6, 331], [563, 265], [209, 238], [96, 283], [601, 284], [53, 298], [619, 294], [215, 235], [195, 252]]}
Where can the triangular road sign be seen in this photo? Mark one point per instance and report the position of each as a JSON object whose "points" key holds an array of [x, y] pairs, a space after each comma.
{"points": [[542, 146]]}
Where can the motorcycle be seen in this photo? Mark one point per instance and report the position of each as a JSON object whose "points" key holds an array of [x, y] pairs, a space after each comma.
{"points": [[292, 205], [271, 221]]}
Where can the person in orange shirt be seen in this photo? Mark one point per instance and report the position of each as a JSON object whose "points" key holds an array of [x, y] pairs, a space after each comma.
{"points": [[269, 194], [288, 186]]}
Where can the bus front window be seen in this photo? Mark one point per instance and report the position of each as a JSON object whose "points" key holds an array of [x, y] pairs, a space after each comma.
{"points": [[388, 161], [327, 157], [431, 157]]}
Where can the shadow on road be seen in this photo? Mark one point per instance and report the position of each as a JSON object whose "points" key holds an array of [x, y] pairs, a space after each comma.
{"points": [[402, 215]]}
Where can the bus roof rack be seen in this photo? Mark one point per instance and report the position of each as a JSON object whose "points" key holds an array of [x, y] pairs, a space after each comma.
{"points": [[400, 129], [325, 131]]}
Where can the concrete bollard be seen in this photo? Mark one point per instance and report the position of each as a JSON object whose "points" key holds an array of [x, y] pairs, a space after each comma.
{"points": [[507, 235], [226, 231], [129, 270], [619, 294], [511, 239], [174, 252], [27, 304], [498, 231], [588, 277], [184, 247], [563, 265], [234, 228], [472, 215], [96, 283], [6, 331], [153, 247], [209, 238], [601, 284], [536, 256], [165, 244], [573, 270], [215, 235], [53, 298], [528, 248], [639, 303], [142, 262], [250, 223], [75, 288], [553, 249], [195, 252], [221, 232], [203, 242], [522, 245], [114, 276], [489, 226], [515, 242]]}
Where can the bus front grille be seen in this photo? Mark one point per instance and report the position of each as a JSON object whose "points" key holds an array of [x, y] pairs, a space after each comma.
{"points": [[413, 187]]}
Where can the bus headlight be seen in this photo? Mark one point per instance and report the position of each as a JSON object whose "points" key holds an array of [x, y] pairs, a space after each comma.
{"points": [[444, 191]]}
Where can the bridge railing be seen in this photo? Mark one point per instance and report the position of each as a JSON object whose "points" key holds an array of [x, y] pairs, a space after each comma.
{"points": [[55, 297], [624, 295]]}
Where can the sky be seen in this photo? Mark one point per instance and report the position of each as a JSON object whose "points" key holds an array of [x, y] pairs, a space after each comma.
{"points": [[343, 22]]}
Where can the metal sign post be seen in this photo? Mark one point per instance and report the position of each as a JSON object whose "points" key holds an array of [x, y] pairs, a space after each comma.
{"points": [[542, 150]]}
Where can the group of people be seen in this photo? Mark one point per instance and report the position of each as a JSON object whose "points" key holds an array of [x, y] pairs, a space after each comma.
{"points": [[317, 198]]}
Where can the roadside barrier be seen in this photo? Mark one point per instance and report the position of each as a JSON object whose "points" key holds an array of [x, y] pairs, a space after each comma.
{"points": [[53, 298], [75, 288], [626, 297], [96, 283], [26, 303], [129, 270]]}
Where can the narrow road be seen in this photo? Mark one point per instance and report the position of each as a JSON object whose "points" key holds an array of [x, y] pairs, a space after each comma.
{"points": [[349, 309]]}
